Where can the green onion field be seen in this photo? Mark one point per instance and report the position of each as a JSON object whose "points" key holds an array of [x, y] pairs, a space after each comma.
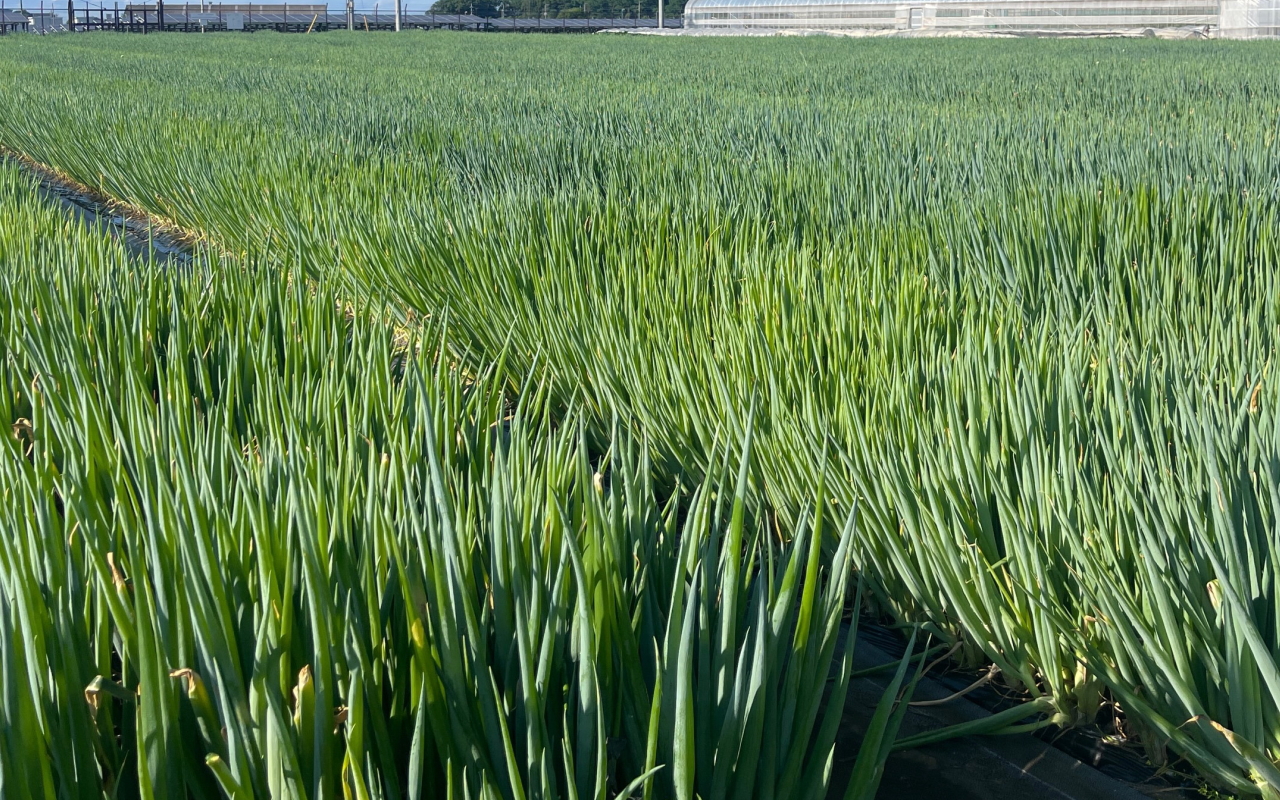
{"points": [[538, 415]]}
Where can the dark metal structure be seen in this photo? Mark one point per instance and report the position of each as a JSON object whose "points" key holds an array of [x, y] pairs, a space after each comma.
{"points": [[216, 17], [45, 22], [13, 22]]}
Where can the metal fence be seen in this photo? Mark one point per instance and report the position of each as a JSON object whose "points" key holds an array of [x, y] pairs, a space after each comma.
{"points": [[218, 17]]}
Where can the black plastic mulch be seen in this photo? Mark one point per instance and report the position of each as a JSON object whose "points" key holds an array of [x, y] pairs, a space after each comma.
{"points": [[1087, 744]]}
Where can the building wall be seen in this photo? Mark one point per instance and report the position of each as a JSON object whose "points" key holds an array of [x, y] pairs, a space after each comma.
{"points": [[47, 23], [1231, 18], [1247, 19]]}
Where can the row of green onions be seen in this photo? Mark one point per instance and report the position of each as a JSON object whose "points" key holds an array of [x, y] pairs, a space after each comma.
{"points": [[260, 544]]}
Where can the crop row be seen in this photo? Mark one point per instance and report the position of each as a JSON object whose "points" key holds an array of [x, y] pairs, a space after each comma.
{"points": [[259, 543]]}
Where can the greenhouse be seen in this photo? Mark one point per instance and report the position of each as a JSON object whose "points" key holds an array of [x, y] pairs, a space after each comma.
{"points": [[1226, 18]]}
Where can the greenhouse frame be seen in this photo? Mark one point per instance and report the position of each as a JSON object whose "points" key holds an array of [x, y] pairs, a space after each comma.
{"points": [[1236, 19]]}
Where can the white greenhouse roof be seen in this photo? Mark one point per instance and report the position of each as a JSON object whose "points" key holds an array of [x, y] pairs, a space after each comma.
{"points": [[696, 4], [1224, 18], [693, 4]]}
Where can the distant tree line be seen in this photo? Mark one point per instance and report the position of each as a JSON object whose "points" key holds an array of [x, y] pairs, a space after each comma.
{"points": [[560, 9]]}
